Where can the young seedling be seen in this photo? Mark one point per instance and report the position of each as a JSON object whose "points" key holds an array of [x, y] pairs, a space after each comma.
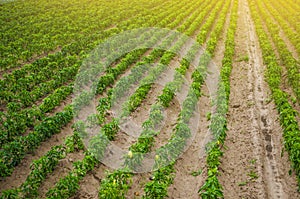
{"points": [[244, 58], [243, 183], [253, 175], [253, 161], [196, 173], [208, 116]]}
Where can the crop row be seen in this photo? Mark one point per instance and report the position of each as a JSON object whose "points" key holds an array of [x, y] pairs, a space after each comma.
{"points": [[27, 118], [19, 78], [283, 7], [33, 75], [291, 34], [291, 131], [16, 122], [112, 176], [291, 64], [23, 80], [162, 177], [73, 48], [11, 154], [218, 127], [116, 183], [201, 38], [166, 155], [43, 166], [114, 72]]}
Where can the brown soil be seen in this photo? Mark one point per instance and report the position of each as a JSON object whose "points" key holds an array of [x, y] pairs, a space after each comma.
{"points": [[138, 183], [252, 166], [169, 123]]}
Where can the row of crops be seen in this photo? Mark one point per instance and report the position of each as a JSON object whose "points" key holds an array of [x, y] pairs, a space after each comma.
{"points": [[286, 102], [46, 44]]}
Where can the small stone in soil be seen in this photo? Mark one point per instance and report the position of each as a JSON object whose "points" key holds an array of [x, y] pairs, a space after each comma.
{"points": [[236, 106]]}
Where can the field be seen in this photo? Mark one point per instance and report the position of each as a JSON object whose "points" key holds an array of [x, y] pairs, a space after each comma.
{"points": [[150, 99]]}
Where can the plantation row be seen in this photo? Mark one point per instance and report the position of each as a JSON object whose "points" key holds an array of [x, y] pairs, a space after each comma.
{"points": [[291, 64], [291, 130], [55, 61]]}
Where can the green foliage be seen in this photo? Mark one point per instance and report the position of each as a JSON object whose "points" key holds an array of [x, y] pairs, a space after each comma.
{"points": [[158, 187], [115, 185], [14, 152]]}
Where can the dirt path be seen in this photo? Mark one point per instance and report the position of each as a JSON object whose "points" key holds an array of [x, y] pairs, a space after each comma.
{"points": [[252, 166]]}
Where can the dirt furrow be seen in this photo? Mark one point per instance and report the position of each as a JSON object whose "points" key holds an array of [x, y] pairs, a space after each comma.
{"points": [[139, 180], [252, 166], [131, 129], [90, 184]]}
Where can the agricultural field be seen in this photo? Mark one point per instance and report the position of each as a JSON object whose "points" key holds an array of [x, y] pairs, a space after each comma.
{"points": [[150, 99]]}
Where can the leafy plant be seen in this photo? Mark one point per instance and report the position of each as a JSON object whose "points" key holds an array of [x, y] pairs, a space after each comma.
{"points": [[196, 173]]}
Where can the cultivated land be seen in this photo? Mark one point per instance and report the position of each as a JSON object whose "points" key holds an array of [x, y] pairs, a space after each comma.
{"points": [[209, 111]]}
